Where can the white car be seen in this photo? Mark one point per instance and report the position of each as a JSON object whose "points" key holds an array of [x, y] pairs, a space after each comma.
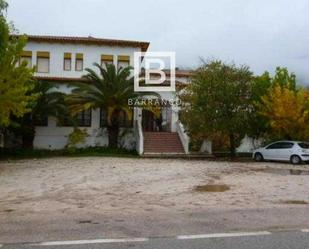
{"points": [[293, 151]]}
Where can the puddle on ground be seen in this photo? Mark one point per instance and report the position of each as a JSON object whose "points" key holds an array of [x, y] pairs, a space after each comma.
{"points": [[84, 221], [283, 172], [298, 202], [87, 222], [212, 188], [8, 210]]}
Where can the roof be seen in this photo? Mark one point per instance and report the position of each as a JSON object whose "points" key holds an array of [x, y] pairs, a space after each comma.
{"points": [[59, 79], [180, 73], [88, 41]]}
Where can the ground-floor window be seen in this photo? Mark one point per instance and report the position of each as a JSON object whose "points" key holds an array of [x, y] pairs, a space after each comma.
{"points": [[84, 118], [103, 117], [123, 119]]}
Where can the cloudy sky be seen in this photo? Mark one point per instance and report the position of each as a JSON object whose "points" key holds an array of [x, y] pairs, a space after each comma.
{"points": [[260, 33]]}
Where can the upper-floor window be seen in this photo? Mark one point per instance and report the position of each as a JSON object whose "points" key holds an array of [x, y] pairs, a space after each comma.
{"points": [[67, 62], [123, 61], [106, 59], [27, 57], [79, 62], [42, 62]]}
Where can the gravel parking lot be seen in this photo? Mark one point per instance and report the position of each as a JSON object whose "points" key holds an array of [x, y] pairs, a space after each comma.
{"points": [[132, 197], [109, 184]]}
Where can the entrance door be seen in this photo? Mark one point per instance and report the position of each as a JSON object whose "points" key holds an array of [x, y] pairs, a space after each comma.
{"points": [[149, 122]]}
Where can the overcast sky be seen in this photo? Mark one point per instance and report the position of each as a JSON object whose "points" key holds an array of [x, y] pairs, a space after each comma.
{"points": [[260, 33]]}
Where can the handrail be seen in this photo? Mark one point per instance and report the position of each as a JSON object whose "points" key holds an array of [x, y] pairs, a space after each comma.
{"points": [[184, 138], [139, 137]]}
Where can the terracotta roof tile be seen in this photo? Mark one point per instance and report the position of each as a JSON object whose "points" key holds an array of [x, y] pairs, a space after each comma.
{"points": [[59, 79], [87, 40]]}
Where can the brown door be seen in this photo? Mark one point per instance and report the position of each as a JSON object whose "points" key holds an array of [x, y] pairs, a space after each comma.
{"points": [[149, 121]]}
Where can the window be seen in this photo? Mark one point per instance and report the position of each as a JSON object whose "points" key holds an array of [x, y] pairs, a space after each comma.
{"points": [[286, 145], [42, 62], [84, 118], [280, 145], [27, 57], [123, 118], [67, 62], [304, 145], [65, 122], [103, 117], [79, 62], [106, 59], [274, 146], [123, 61]]}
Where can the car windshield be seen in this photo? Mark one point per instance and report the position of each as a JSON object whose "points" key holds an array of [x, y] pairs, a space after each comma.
{"points": [[304, 145]]}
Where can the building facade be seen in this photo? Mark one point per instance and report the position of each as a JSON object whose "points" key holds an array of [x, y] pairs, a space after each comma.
{"points": [[62, 60]]}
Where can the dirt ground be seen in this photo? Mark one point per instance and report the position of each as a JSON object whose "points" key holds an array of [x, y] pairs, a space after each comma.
{"points": [[137, 185]]}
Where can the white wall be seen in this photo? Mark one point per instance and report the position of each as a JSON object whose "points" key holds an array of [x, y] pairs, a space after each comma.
{"points": [[91, 54], [53, 136], [248, 144]]}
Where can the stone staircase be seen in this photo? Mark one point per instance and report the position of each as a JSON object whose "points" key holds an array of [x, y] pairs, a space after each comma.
{"points": [[162, 143]]}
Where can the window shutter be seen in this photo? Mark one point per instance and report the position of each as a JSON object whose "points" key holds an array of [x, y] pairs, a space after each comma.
{"points": [[67, 55], [43, 54]]}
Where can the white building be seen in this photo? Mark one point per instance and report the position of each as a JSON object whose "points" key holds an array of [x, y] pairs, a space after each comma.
{"points": [[63, 59]]}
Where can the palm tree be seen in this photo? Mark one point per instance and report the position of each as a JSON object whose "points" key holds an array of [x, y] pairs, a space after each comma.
{"points": [[109, 90], [48, 103]]}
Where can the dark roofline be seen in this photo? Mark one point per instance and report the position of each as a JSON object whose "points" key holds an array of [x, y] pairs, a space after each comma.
{"points": [[59, 79], [87, 40], [178, 73], [70, 80]]}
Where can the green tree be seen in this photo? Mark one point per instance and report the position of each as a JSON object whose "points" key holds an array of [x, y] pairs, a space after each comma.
{"points": [[258, 124], [284, 79], [48, 103], [110, 91], [287, 112], [219, 101], [15, 79], [273, 98], [285, 107]]}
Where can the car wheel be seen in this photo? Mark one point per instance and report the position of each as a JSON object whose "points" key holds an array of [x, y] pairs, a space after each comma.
{"points": [[258, 157], [295, 159]]}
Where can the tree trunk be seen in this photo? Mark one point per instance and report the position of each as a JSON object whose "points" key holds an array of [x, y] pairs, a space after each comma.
{"points": [[113, 133], [28, 137], [1, 138], [232, 145]]}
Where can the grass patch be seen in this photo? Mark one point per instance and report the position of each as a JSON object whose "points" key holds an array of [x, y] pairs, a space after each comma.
{"points": [[81, 152], [212, 188]]}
